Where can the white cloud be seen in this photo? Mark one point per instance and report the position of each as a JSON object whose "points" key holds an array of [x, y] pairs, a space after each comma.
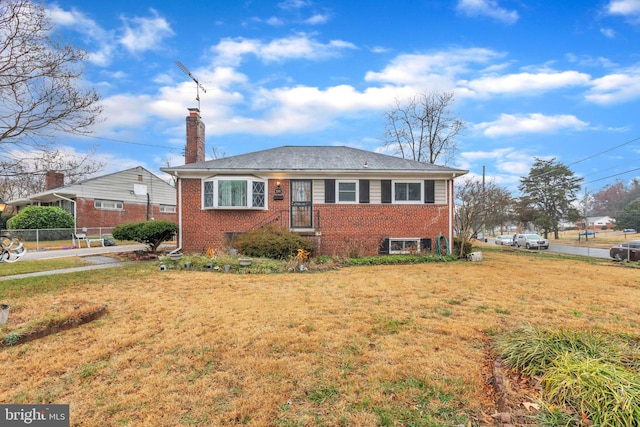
{"points": [[516, 84], [142, 34], [608, 32], [489, 8], [629, 8], [294, 4], [437, 68], [73, 19], [230, 51], [508, 164], [275, 21], [615, 88], [317, 19], [514, 124]]}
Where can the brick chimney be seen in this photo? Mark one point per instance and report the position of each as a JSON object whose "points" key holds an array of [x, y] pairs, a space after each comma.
{"points": [[53, 180], [194, 151]]}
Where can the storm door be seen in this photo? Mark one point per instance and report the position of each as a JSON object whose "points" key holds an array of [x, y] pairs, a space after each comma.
{"points": [[301, 209]]}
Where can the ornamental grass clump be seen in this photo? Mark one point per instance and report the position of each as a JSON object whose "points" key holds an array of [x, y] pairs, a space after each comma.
{"points": [[589, 373], [607, 394]]}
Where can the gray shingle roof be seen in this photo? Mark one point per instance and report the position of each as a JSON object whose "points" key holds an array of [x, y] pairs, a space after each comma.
{"points": [[314, 158]]}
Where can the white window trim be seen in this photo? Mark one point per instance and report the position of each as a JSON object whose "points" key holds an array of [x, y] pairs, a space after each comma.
{"points": [[407, 202], [250, 180], [407, 239], [348, 181], [167, 208], [119, 205]]}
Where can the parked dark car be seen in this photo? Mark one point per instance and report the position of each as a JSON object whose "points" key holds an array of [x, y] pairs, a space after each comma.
{"points": [[627, 250]]}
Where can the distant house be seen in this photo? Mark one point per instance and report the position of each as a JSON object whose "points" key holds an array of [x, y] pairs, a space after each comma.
{"points": [[335, 196], [130, 195], [599, 222]]}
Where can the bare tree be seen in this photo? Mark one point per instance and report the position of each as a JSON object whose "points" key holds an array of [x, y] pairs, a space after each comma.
{"points": [[477, 205], [25, 176], [40, 88], [423, 128]]}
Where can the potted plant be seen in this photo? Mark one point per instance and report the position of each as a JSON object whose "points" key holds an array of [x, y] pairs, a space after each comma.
{"points": [[245, 261]]}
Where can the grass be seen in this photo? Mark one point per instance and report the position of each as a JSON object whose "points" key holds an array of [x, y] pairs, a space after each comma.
{"points": [[22, 267], [360, 346]]}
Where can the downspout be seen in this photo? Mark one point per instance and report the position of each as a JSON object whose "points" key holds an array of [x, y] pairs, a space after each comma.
{"points": [[75, 224], [451, 214], [179, 213]]}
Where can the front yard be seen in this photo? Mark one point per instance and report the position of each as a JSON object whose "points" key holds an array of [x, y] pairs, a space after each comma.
{"points": [[360, 346]]}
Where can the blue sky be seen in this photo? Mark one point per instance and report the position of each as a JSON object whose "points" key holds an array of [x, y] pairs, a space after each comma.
{"points": [[543, 78]]}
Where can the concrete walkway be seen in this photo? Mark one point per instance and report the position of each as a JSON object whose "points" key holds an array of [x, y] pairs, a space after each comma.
{"points": [[92, 255]]}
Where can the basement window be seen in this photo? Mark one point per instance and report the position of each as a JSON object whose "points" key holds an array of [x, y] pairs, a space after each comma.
{"points": [[404, 246], [168, 208]]}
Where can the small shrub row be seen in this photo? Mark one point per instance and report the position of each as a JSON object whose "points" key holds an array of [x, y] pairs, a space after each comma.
{"points": [[399, 259]]}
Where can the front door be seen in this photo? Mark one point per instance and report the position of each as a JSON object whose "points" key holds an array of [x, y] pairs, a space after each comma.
{"points": [[301, 209]]}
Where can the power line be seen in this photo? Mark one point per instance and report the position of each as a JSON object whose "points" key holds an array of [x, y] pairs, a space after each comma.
{"points": [[591, 157], [611, 176], [605, 151], [129, 142]]}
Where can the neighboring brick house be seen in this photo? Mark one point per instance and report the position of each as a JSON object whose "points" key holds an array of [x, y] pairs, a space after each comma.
{"points": [[338, 197], [131, 195]]}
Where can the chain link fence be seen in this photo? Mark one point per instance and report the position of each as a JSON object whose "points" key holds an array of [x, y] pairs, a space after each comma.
{"points": [[59, 237]]}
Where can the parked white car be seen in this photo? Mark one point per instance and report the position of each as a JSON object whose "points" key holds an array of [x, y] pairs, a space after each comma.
{"points": [[504, 240], [531, 241]]}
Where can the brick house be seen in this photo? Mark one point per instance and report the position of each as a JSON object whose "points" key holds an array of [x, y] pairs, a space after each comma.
{"points": [[130, 195], [338, 197]]}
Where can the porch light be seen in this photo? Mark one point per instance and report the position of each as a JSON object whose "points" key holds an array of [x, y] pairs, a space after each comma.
{"points": [[3, 205]]}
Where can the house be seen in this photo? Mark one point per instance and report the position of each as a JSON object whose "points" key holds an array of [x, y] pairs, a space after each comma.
{"points": [[130, 195], [600, 222], [338, 197]]}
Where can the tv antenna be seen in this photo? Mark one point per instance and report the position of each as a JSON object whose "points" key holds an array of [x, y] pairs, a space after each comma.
{"points": [[198, 85]]}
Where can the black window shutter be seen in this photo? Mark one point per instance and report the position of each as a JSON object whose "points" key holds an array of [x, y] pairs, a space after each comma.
{"points": [[384, 247], [385, 187], [425, 245], [364, 191], [429, 191], [329, 190]]}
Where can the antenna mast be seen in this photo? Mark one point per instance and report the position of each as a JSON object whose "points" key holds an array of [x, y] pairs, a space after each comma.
{"points": [[198, 85]]}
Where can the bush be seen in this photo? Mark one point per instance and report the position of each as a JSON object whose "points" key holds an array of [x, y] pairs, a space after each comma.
{"points": [[151, 233], [33, 217], [4, 217], [468, 248], [271, 242]]}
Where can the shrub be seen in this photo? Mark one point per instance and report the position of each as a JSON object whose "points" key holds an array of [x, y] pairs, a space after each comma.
{"points": [[4, 217], [33, 217], [271, 242], [468, 248], [151, 233]]}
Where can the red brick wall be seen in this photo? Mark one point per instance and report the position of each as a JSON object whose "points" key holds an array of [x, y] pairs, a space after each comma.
{"points": [[340, 225], [89, 217]]}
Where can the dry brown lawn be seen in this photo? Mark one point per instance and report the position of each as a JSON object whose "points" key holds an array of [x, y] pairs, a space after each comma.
{"points": [[360, 346]]}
